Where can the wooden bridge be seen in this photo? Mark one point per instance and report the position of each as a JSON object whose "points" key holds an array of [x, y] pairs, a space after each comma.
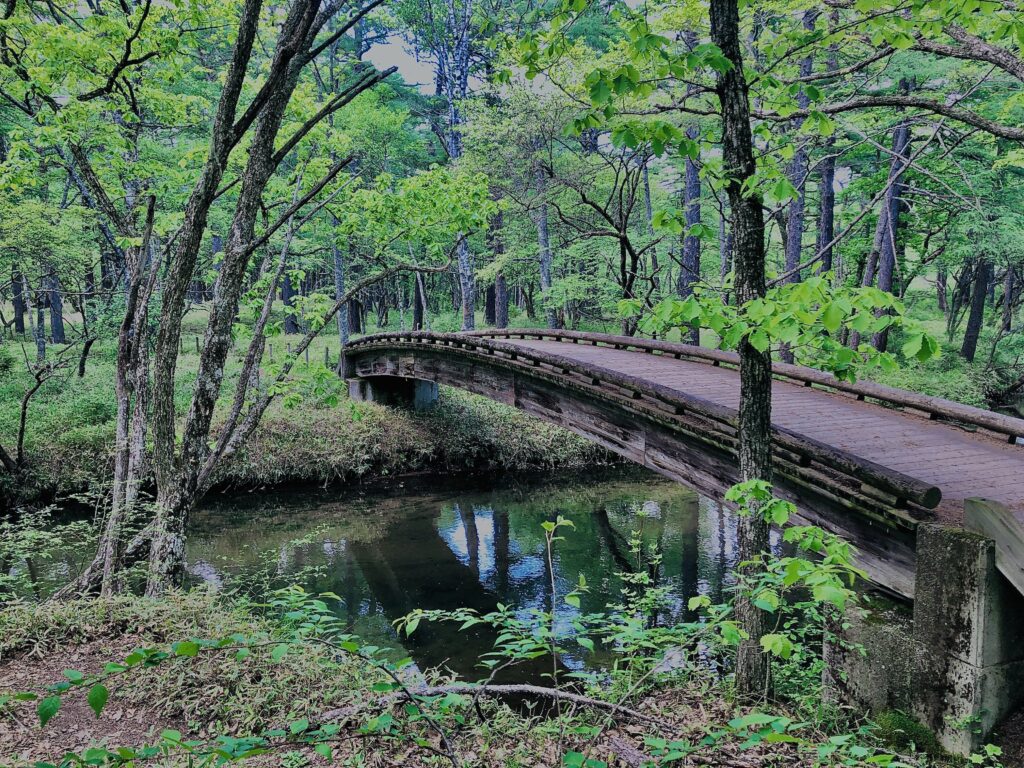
{"points": [[893, 458], [911, 480]]}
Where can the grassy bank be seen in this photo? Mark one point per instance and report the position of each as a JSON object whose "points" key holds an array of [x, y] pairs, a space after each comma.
{"points": [[344, 443], [311, 434]]}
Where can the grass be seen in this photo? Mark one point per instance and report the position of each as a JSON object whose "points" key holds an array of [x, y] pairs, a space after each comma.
{"points": [[71, 424]]}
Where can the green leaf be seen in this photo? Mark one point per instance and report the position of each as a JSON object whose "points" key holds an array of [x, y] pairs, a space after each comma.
{"points": [[697, 602], [325, 751], [777, 645], [600, 92], [298, 726], [760, 340], [47, 708], [186, 648], [913, 345], [832, 317], [97, 698]]}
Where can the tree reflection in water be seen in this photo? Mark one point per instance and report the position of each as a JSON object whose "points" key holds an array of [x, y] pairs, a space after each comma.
{"points": [[464, 545]]}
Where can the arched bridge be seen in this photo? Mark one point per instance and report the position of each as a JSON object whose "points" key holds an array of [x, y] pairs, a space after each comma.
{"points": [[867, 460], [910, 480]]}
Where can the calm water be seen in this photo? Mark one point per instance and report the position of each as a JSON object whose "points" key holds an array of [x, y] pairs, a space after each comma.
{"points": [[445, 545]]}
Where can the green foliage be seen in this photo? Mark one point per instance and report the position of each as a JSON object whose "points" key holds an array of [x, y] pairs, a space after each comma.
{"points": [[811, 318], [28, 539]]}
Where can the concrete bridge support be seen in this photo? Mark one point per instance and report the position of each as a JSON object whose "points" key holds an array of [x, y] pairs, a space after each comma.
{"points": [[418, 394], [958, 664]]}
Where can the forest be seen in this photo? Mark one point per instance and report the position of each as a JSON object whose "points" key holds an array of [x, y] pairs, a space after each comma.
{"points": [[226, 225]]}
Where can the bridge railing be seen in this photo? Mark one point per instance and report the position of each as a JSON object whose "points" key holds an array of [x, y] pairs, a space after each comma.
{"points": [[935, 408], [801, 456]]}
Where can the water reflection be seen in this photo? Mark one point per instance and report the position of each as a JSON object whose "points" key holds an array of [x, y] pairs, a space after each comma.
{"points": [[458, 545]]}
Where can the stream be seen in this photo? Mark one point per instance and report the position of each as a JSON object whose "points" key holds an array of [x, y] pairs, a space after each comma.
{"points": [[442, 543]]}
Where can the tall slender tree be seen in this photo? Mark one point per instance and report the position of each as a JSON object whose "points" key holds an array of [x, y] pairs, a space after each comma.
{"points": [[747, 208]]}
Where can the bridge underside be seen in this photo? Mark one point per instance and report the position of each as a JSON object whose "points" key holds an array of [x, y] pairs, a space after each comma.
{"points": [[691, 456]]}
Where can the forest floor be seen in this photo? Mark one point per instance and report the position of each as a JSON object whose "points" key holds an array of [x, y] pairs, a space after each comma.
{"points": [[214, 695]]}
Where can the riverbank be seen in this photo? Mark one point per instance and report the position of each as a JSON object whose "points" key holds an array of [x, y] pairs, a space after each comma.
{"points": [[315, 443]]}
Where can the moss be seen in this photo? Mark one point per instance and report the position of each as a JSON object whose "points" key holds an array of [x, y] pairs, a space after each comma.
{"points": [[902, 732]]}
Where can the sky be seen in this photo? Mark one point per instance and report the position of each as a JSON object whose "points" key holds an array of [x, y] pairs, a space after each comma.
{"points": [[396, 53]]}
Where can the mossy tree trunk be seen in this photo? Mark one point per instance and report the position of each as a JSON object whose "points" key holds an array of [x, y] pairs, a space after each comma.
{"points": [[752, 669]]}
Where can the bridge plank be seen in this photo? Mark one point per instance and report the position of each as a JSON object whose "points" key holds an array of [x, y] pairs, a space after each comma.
{"points": [[963, 464]]}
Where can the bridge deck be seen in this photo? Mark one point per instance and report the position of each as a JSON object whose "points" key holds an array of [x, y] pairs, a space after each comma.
{"points": [[963, 464]]}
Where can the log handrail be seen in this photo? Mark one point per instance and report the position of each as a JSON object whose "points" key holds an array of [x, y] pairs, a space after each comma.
{"points": [[933, 407], [889, 481]]}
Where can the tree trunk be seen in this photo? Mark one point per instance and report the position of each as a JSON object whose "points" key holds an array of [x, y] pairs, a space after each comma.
{"points": [[976, 315], [649, 211], [179, 479], [544, 252], [18, 299], [56, 309], [689, 263], [500, 301], [453, 78], [467, 284], [689, 267], [826, 189], [339, 292], [752, 669], [489, 306], [797, 172], [216, 247], [827, 210], [526, 296], [496, 242], [291, 320], [724, 246], [893, 202], [355, 315], [1009, 298], [418, 304], [40, 331], [940, 290], [182, 475], [882, 257]]}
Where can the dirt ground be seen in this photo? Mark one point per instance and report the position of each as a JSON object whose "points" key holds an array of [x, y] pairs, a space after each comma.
{"points": [[75, 726], [496, 742], [1010, 737]]}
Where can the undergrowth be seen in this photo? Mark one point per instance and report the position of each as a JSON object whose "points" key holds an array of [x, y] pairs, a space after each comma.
{"points": [[285, 683]]}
